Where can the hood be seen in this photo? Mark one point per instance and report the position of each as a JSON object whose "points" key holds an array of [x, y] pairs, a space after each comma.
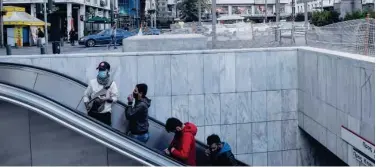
{"points": [[226, 147], [190, 128], [146, 100]]}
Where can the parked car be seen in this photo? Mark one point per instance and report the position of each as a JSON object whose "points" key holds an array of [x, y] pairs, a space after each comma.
{"points": [[104, 37]]}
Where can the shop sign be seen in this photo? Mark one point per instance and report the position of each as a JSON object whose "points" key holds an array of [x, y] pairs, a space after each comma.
{"points": [[362, 158], [357, 141]]}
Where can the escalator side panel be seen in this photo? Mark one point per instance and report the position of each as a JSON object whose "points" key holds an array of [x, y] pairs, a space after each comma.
{"points": [[15, 139], [46, 142], [65, 92], [18, 77]]}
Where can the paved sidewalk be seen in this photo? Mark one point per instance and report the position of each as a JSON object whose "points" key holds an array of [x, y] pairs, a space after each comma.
{"points": [[67, 48]]}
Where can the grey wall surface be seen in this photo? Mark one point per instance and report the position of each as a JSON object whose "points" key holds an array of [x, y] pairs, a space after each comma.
{"points": [[28, 138], [336, 91], [248, 96]]}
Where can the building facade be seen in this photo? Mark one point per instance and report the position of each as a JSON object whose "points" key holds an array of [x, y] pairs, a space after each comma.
{"points": [[70, 12], [341, 6]]}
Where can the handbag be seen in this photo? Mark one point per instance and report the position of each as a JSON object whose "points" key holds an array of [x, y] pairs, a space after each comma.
{"points": [[96, 105]]}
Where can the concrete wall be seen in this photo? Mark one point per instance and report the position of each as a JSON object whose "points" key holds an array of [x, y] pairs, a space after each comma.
{"points": [[336, 90], [31, 139], [248, 97]]}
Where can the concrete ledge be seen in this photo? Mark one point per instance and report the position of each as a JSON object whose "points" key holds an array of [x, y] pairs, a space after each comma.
{"points": [[173, 42]]}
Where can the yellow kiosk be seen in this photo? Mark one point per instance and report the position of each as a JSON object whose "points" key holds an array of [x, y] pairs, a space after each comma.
{"points": [[21, 27]]}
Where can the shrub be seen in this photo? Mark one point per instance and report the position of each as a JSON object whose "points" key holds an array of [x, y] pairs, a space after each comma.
{"points": [[324, 18], [359, 15]]}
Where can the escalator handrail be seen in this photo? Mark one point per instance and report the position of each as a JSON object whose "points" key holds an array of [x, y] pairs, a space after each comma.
{"points": [[90, 119], [85, 85]]}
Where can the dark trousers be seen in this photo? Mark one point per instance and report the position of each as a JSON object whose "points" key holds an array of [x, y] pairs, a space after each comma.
{"points": [[103, 117]]}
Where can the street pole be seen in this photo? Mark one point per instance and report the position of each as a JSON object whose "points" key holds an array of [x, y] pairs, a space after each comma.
{"points": [[266, 11], [277, 6], [199, 12], [112, 12], [214, 23], [45, 24], [305, 14], [1, 25], [322, 5]]}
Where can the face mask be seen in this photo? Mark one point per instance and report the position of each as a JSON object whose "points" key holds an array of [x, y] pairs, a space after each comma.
{"points": [[102, 74]]}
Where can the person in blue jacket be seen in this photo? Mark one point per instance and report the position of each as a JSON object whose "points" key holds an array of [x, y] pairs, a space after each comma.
{"points": [[219, 152]]}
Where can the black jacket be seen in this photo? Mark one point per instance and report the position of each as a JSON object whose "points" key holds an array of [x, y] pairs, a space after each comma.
{"points": [[224, 157], [138, 116]]}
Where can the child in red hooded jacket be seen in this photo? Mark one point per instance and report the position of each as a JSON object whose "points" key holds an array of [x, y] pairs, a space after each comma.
{"points": [[183, 146]]}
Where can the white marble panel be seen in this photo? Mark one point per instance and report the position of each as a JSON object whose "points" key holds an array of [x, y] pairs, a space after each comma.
{"points": [[180, 108], [331, 118], [91, 68], [146, 73], [300, 99], [288, 70], [274, 105], [341, 121], [259, 112], [258, 71], [274, 136], [212, 73], [331, 81], [367, 131], [260, 159], [290, 158], [227, 73], [353, 124], [201, 134], [243, 72], [322, 134], [289, 100], [342, 149], [301, 81], [229, 135], [128, 76], [367, 80], [151, 111], [244, 138], [275, 158], [214, 129], [196, 111], [246, 158], [321, 76], [196, 74], [292, 115], [162, 75], [301, 119], [353, 105], [26, 61], [259, 137], [41, 62], [73, 67], [179, 74], [228, 109], [321, 113], [273, 72], [244, 107], [212, 109], [163, 108], [290, 134], [312, 73], [331, 141]]}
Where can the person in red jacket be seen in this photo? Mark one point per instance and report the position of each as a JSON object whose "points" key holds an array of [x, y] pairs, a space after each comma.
{"points": [[183, 146]]}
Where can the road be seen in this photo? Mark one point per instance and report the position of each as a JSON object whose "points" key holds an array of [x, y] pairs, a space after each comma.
{"points": [[67, 48]]}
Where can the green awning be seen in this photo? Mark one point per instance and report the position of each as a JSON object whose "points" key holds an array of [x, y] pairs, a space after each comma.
{"points": [[98, 20]]}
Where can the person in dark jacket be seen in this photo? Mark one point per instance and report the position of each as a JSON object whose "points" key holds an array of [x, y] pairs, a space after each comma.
{"points": [[183, 146], [138, 114], [219, 152]]}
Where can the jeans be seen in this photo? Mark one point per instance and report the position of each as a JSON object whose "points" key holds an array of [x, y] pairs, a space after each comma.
{"points": [[142, 138], [112, 42]]}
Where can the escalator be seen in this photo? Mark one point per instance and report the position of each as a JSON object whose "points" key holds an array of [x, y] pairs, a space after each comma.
{"points": [[59, 97]]}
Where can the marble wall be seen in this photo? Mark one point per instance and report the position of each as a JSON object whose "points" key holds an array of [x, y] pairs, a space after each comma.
{"points": [[336, 90], [249, 97]]}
